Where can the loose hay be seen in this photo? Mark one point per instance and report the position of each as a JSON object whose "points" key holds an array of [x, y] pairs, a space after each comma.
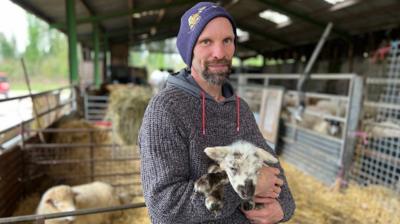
{"points": [[134, 216], [126, 109], [317, 203], [27, 206]]}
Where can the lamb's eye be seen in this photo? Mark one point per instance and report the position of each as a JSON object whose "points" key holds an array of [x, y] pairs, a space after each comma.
{"points": [[234, 170]]}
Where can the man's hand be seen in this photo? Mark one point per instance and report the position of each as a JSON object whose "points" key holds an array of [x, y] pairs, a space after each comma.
{"points": [[268, 184], [271, 212]]}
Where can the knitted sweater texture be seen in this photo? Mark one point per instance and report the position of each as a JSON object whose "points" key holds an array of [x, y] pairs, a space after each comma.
{"points": [[171, 145]]}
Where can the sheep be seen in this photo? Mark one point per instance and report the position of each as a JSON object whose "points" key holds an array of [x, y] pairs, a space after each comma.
{"points": [[64, 198], [321, 125], [240, 162], [329, 107], [158, 80]]}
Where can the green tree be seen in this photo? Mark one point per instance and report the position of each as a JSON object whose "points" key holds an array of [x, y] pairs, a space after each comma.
{"points": [[7, 48], [37, 39]]}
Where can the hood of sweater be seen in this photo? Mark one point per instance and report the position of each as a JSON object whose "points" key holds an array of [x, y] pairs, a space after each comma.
{"points": [[185, 81]]}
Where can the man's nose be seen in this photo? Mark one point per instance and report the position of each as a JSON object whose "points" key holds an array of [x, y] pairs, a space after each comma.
{"points": [[219, 51]]}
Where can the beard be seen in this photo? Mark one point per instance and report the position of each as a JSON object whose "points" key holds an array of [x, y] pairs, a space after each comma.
{"points": [[216, 78]]}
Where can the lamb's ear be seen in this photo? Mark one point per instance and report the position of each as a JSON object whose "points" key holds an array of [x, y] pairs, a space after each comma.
{"points": [[266, 156], [217, 153]]}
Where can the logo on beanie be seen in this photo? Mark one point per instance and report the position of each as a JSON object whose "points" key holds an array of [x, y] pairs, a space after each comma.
{"points": [[195, 18]]}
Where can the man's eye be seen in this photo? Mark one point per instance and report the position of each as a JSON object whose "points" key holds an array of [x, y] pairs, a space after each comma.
{"points": [[205, 42], [234, 170], [228, 41]]}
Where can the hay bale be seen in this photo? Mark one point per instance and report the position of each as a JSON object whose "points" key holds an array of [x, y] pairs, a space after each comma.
{"points": [[99, 136], [126, 109], [43, 103], [75, 161], [317, 203]]}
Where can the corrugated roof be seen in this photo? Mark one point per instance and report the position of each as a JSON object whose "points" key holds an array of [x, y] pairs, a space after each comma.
{"points": [[136, 21]]}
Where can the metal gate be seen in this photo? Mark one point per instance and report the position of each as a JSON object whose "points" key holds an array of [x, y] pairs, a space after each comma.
{"points": [[377, 158], [309, 150]]}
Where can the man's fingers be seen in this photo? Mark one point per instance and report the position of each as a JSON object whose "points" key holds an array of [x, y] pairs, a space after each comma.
{"points": [[272, 193], [277, 190], [276, 171], [264, 200], [279, 182]]}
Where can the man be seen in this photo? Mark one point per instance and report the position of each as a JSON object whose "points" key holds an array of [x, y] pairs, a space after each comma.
{"points": [[198, 109]]}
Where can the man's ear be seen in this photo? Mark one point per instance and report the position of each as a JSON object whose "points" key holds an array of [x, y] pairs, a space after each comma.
{"points": [[266, 156], [217, 153]]}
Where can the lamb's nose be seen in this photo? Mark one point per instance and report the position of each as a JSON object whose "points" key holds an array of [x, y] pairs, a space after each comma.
{"points": [[249, 188], [247, 191]]}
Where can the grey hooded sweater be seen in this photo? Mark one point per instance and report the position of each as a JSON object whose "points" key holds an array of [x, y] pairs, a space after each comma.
{"points": [[179, 123]]}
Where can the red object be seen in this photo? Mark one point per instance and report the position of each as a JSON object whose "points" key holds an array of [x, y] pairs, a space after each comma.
{"points": [[103, 123], [380, 54], [4, 85]]}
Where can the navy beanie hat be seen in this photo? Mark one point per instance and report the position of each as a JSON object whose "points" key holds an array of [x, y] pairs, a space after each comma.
{"points": [[192, 24]]}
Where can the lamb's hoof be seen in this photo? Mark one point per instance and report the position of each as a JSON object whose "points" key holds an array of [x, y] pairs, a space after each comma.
{"points": [[214, 206], [259, 206], [248, 205]]}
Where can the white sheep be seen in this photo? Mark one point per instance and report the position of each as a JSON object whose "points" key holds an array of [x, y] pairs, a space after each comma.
{"points": [[321, 125], [158, 80], [241, 161], [64, 198]]}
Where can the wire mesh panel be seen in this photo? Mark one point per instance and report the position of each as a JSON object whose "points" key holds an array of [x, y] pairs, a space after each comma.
{"points": [[81, 155], [378, 152]]}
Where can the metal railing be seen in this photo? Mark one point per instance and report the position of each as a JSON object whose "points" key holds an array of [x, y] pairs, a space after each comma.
{"points": [[40, 219], [305, 148], [65, 104]]}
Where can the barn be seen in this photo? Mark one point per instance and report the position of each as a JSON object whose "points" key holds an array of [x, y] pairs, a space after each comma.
{"points": [[322, 78]]}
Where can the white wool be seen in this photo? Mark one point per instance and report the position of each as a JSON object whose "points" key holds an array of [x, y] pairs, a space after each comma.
{"points": [[65, 198]]}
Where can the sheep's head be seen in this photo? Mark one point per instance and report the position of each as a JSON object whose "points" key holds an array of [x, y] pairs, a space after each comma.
{"points": [[59, 199], [241, 161]]}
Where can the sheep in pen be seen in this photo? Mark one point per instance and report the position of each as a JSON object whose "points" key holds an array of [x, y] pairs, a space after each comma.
{"points": [[77, 152], [91, 162]]}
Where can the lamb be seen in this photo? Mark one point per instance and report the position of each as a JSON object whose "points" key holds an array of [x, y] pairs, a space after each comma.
{"points": [[63, 198], [239, 163]]}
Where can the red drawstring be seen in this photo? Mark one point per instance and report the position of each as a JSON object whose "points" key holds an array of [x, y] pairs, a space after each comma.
{"points": [[237, 113], [203, 113], [203, 106]]}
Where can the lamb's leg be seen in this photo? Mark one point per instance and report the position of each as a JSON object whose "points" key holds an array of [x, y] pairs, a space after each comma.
{"points": [[211, 185], [214, 201], [206, 183], [250, 205]]}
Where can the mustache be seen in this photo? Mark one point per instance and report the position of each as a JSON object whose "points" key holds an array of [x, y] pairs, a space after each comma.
{"points": [[218, 62]]}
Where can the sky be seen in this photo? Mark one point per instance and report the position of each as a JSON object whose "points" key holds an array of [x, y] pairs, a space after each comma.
{"points": [[13, 22]]}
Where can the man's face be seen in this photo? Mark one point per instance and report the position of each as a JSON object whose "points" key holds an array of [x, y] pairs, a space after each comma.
{"points": [[213, 52]]}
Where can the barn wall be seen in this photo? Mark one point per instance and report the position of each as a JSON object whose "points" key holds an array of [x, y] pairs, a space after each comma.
{"points": [[11, 188]]}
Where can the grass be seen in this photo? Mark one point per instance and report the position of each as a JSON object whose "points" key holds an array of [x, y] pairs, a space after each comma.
{"points": [[38, 85]]}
